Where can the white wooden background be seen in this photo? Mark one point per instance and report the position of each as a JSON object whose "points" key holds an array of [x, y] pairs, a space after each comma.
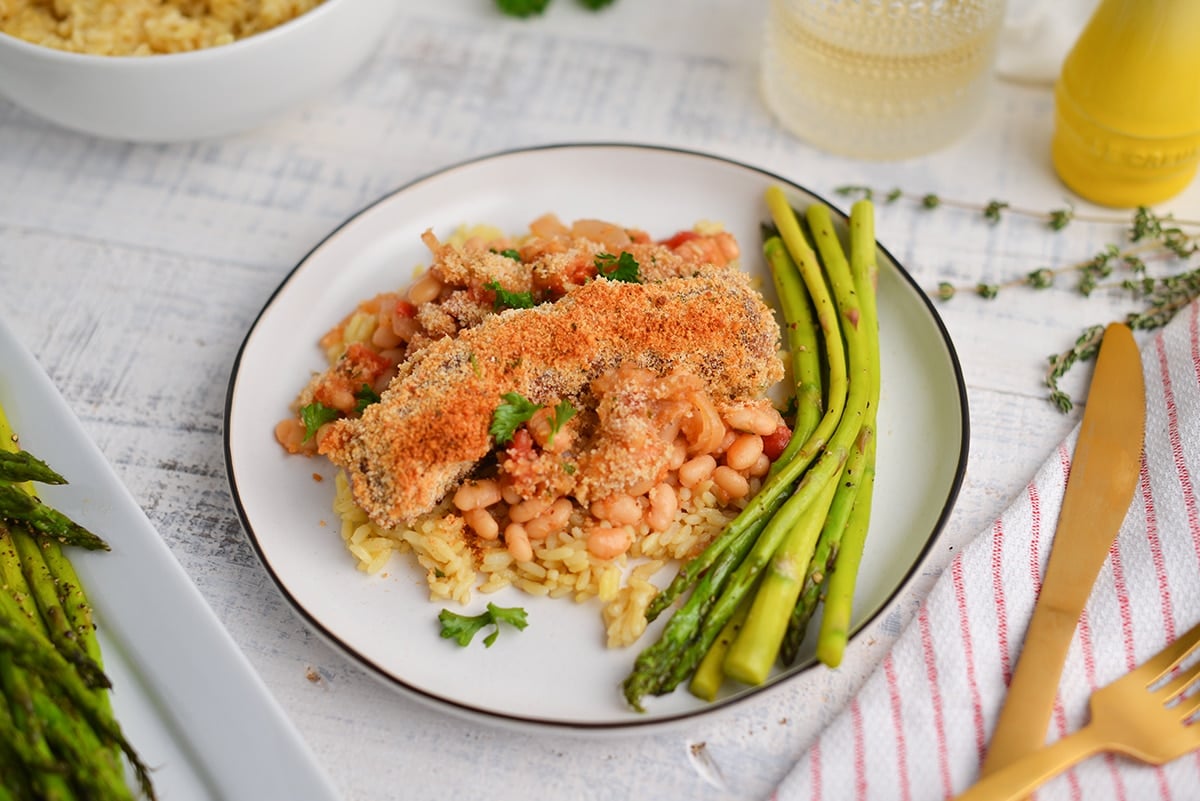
{"points": [[134, 271]]}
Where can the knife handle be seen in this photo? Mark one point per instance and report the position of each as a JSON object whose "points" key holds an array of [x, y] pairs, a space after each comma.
{"points": [[1025, 716]]}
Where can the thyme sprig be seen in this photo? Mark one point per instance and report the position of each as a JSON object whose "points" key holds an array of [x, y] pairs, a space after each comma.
{"points": [[1150, 237], [991, 211]]}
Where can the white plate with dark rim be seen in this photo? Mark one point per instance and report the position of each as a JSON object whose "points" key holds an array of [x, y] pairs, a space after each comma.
{"points": [[557, 672], [184, 694]]}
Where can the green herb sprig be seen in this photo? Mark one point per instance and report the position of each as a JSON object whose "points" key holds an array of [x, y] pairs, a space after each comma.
{"points": [[512, 413], [531, 8], [509, 300], [463, 628], [619, 268], [314, 415]]}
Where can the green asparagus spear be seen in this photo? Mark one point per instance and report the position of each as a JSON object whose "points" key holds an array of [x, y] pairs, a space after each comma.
{"points": [[654, 669], [803, 349], [45, 774], [839, 596], [12, 578], [710, 673], [754, 650], [93, 770], [839, 592], [17, 466], [54, 617], [821, 563], [64, 720], [45, 520], [30, 651]]}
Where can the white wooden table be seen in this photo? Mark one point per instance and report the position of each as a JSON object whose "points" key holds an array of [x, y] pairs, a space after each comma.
{"points": [[134, 271]]}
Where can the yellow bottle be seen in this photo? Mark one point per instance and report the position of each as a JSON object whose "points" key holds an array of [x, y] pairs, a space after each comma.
{"points": [[1127, 105]]}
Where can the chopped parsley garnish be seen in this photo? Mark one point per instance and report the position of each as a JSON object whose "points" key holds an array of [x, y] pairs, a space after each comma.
{"points": [[510, 415], [619, 268], [522, 8], [528, 8], [475, 365], [563, 412], [365, 397], [315, 415], [509, 300], [515, 255], [516, 410], [463, 628]]}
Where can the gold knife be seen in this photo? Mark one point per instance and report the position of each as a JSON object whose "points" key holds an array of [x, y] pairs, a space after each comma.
{"points": [[1104, 472]]}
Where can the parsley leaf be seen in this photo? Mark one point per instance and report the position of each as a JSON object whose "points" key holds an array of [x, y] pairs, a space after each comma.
{"points": [[315, 415], [509, 300], [595, 5], [510, 415], [515, 255], [365, 397], [563, 412], [622, 268], [463, 628], [522, 8]]}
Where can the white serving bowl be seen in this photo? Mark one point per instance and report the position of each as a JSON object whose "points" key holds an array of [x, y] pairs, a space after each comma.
{"points": [[199, 94]]}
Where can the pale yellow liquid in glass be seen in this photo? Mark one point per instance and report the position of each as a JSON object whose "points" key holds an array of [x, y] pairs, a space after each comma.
{"points": [[875, 79]]}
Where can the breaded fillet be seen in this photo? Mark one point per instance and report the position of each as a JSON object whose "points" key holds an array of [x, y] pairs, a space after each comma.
{"points": [[430, 427]]}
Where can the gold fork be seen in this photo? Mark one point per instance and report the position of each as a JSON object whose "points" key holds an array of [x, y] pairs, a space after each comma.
{"points": [[1128, 717]]}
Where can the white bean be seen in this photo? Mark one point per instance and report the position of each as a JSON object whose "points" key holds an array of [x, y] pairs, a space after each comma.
{"points": [[425, 290], [606, 542], [731, 482], [517, 541], [477, 495], [525, 511], [693, 471], [753, 419], [744, 451], [482, 523], [620, 509], [664, 503]]}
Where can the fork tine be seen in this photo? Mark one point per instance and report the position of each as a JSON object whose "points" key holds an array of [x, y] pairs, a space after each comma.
{"points": [[1178, 684], [1190, 706], [1157, 666]]}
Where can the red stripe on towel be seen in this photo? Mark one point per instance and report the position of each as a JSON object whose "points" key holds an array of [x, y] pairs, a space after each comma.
{"points": [[814, 761], [1156, 553], [1124, 609], [935, 696], [1001, 608], [1185, 478], [860, 751], [893, 685], [1035, 526], [960, 597], [1194, 333]]}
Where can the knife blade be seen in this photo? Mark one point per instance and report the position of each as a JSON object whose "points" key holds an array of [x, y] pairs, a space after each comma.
{"points": [[1104, 473]]}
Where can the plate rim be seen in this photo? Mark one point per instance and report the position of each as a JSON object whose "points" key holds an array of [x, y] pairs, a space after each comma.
{"points": [[473, 710]]}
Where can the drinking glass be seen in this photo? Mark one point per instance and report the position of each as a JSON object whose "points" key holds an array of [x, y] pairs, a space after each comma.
{"points": [[879, 79]]}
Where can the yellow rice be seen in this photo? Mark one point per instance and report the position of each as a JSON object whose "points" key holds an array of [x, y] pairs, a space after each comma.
{"points": [[456, 563], [143, 27]]}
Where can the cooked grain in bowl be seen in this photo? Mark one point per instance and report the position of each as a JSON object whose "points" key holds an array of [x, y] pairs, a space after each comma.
{"points": [[545, 414], [143, 27]]}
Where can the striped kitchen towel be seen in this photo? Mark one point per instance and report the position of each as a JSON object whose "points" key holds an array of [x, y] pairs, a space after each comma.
{"points": [[919, 727]]}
